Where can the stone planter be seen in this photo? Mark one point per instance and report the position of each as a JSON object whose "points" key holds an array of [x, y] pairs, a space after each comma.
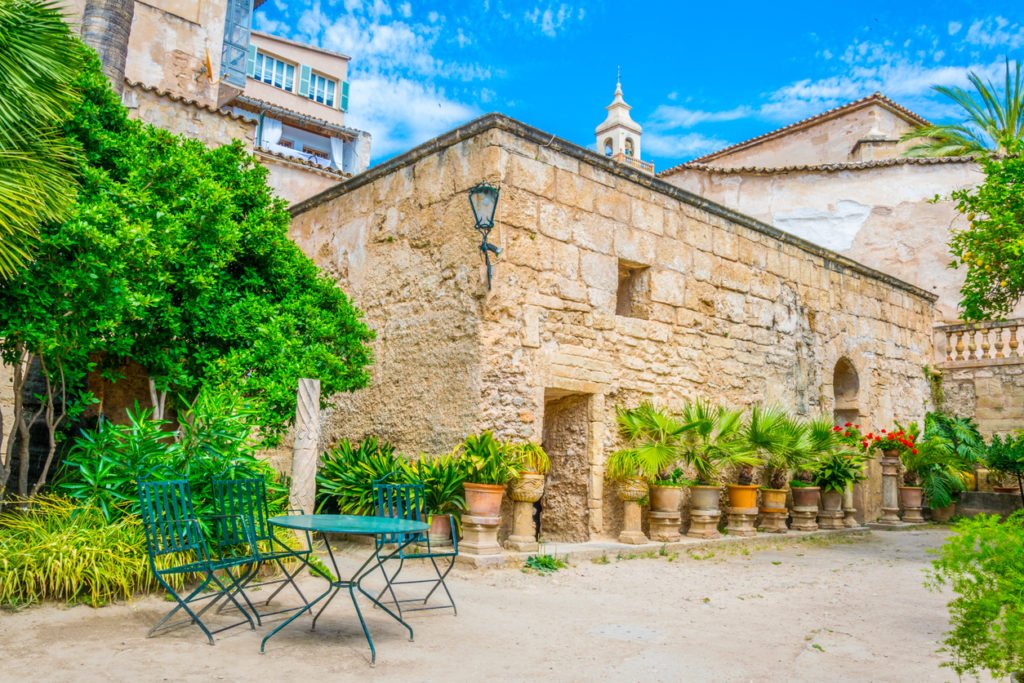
{"points": [[831, 514], [943, 514], [482, 518], [440, 532], [665, 518], [773, 511], [890, 475], [631, 491], [742, 509], [1005, 489], [805, 508], [524, 492], [704, 511], [912, 500]]}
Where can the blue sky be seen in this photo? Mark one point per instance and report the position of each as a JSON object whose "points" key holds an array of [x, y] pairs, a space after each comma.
{"points": [[699, 76]]}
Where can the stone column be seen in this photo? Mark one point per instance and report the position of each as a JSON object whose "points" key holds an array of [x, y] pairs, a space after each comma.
{"points": [[741, 521], [890, 474], [479, 535], [305, 451], [850, 521], [524, 492], [631, 492], [805, 518]]}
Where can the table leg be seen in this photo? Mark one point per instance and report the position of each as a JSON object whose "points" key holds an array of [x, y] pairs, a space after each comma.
{"points": [[332, 587]]}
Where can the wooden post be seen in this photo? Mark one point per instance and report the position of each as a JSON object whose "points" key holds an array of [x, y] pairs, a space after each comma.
{"points": [[305, 451]]}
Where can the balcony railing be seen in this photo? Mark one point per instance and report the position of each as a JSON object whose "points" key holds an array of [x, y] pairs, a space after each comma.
{"points": [[645, 166], [981, 343]]}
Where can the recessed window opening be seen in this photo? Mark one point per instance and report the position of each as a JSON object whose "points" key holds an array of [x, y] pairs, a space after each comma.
{"points": [[608, 147], [632, 297], [275, 72], [629, 147], [322, 89]]}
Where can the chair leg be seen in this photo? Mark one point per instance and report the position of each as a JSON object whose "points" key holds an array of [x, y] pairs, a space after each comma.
{"points": [[238, 589], [242, 583], [387, 584], [231, 596], [288, 578], [182, 605], [441, 582]]}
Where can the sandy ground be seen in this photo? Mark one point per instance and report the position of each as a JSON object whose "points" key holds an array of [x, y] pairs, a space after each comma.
{"points": [[851, 610]]}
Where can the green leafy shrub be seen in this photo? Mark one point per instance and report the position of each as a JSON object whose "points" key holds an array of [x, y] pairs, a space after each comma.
{"points": [[62, 550], [652, 436], [839, 469], [545, 564], [442, 477], [982, 563], [344, 480], [487, 460], [531, 457], [1006, 456]]}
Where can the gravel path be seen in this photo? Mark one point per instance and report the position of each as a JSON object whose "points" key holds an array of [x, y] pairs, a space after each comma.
{"points": [[852, 609]]}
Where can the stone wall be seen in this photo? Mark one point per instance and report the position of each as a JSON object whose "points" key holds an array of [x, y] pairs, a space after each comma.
{"points": [[732, 309], [296, 180], [211, 126], [881, 215], [991, 392]]}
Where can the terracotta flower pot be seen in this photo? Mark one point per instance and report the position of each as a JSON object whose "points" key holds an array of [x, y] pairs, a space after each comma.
{"points": [[666, 498], [832, 501], [773, 499], [805, 496], [528, 488], [742, 496], [483, 500], [1005, 489], [943, 514], [891, 453], [911, 496], [440, 528], [632, 489], [705, 497]]}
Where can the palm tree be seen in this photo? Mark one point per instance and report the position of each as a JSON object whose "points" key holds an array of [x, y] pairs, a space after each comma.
{"points": [[106, 27], [38, 61], [992, 124]]}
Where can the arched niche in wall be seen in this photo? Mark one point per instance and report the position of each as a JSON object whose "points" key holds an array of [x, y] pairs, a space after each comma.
{"points": [[845, 391], [608, 147], [629, 147]]}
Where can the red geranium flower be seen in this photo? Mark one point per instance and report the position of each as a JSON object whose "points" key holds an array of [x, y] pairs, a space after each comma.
{"points": [[848, 424], [915, 451]]}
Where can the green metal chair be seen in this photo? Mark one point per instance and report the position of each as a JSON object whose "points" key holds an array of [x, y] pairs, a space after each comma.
{"points": [[240, 501], [173, 531], [405, 501]]}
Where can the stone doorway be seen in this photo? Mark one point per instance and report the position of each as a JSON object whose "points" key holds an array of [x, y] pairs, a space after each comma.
{"points": [[563, 509]]}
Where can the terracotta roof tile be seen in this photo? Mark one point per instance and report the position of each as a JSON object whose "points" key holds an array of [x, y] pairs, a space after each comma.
{"points": [[821, 168], [326, 170], [184, 100], [874, 97]]}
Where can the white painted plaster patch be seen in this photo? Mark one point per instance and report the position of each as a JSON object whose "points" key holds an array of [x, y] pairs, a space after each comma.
{"points": [[833, 230]]}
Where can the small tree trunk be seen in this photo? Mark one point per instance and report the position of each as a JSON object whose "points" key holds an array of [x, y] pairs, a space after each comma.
{"points": [[53, 420], [159, 400]]}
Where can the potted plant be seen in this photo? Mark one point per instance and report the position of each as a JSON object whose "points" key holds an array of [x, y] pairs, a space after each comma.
{"points": [[836, 471], [710, 442], [525, 490], [1006, 456], [443, 501], [488, 466], [779, 443], [652, 437]]}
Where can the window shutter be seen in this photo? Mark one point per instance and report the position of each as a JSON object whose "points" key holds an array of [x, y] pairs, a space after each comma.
{"points": [[251, 67], [343, 103], [304, 73]]}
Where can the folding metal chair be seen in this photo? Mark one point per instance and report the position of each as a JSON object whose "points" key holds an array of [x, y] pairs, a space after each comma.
{"points": [[240, 500], [173, 531], [405, 501]]}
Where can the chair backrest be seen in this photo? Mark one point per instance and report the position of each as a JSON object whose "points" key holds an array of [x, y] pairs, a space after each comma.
{"points": [[168, 516], [240, 500], [400, 500]]}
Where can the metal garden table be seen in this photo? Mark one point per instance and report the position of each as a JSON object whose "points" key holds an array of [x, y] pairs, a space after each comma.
{"points": [[348, 524]]}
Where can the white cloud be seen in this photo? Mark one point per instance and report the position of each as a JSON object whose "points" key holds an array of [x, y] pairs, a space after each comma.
{"points": [[551, 20], [667, 116], [678, 146], [954, 27], [405, 9], [996, 32]]}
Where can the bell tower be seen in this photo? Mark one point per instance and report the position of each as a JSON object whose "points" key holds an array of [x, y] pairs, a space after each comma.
{"points": [[618, 137]]}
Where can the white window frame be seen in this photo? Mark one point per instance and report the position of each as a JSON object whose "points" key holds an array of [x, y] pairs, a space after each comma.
{"points": [[281, 74], [323, 89]]}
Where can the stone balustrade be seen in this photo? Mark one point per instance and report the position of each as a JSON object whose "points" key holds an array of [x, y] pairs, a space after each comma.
{"points": [[633, 162], [982, 343]]}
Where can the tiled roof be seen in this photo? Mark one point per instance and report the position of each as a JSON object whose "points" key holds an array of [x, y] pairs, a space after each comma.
{"points": [[263, 104], [184, 100], [821, 168], [326, 170], [831, 113]]}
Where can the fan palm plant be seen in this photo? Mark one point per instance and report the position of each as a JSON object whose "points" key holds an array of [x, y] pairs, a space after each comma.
{"points": [[770, 435], [993, 123], [820, 441], [713, 440], [38, 61], [652, 437]]}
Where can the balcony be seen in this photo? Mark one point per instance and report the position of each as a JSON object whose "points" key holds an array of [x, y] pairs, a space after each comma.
{"points": [[980, 344], [633, 162]]}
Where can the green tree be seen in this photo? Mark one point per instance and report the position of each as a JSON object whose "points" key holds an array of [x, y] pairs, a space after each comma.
{"points": [[993, 123], [177, 256], [38, 60], [991, 247]]}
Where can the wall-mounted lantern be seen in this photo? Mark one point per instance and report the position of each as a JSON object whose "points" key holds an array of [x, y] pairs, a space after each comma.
{"points": [[484, 200]]}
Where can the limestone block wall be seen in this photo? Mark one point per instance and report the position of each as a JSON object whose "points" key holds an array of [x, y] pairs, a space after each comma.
{"points": [[990, 392], [209, 125], [879, 215], [296, 180], [725, 307]]}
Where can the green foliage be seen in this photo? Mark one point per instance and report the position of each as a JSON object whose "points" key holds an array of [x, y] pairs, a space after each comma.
{"points": [[177, 256], [38, 61], [839, 469], [961, 432], [652, 437], [982, 563], [991, 247], [1006, 454], [488, 461], [781, 443], [344, 480], [531, 457], [675, 478], [992, 123], [545, 564], [215, 432], [713, 440], [60, 550], [442, 477]]}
